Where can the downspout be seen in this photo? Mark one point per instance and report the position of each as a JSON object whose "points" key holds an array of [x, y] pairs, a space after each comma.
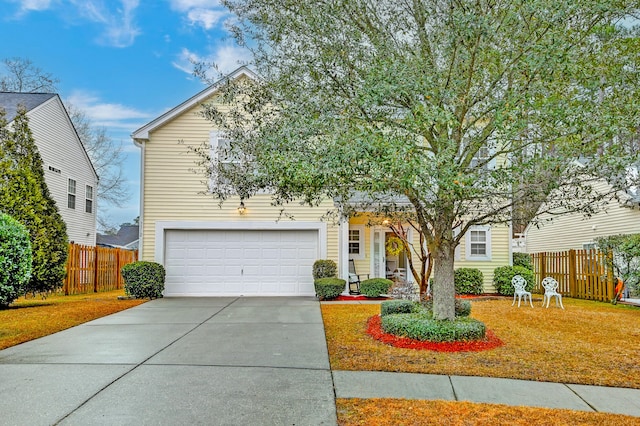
{"points": [[140, 144]]}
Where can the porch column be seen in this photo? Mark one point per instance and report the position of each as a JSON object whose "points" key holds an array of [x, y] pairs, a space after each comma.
{"points": [[343, 252]]}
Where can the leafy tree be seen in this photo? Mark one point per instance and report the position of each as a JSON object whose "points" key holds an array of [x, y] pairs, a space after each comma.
{"points": [[624, 258], [25, 196], [107, 157], [15, 259], [451, 112]]}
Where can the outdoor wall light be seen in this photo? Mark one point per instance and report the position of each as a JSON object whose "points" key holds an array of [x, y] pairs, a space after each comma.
{"points": [[241, 208], [386, 222]]}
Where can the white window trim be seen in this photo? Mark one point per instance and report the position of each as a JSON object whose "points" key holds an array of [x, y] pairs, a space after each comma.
{"points": [[87, 198], [74, 193], [214, 139], [467, 240], [361, 254]]}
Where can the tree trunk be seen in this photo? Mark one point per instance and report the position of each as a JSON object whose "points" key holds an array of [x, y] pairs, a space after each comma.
{"points": [[443, 292]]}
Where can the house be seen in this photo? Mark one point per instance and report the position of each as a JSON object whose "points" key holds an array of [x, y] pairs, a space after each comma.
{"points": [[574, 231], [68, 171], [127, 238], [248, 249]]}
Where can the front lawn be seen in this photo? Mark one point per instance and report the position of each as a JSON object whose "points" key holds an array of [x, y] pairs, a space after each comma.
{"points": [[591, 343], [29, 318], [379, 412]]}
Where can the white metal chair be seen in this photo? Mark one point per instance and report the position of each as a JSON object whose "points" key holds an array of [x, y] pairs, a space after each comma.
{"points": [[520, 290], [550, 286]]}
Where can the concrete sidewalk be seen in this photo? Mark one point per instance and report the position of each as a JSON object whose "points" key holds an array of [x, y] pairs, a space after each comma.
{"points": [[369, 384], [229, 361]]}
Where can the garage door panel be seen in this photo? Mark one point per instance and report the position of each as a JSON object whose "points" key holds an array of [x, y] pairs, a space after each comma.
{"points": [[240, 262]]}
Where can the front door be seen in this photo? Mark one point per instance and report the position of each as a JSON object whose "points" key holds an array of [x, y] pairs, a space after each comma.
{"points": [[378, 257]]}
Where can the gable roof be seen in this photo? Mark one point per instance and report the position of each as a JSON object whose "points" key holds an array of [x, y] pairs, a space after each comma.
{"points": [[9, 101], [142, 133], [126, 235]]}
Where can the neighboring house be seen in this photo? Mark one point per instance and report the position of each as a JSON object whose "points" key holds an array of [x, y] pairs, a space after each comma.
{"points": [[68, 171], [126, 238], [574, 231], [209, 250]]}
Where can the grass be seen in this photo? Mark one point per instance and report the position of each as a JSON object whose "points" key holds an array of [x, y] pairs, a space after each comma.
{"points": [[587, 343], [375, 412], [30, 318], [590, 343]]}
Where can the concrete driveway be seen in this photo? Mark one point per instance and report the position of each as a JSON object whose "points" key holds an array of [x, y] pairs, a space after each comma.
{"points": [[177, 361]]}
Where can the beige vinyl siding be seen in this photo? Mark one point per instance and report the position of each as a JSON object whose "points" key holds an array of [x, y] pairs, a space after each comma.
{"points": [[172, 192], [573, 230], [500, 252], [60, 148], [500, 255]]}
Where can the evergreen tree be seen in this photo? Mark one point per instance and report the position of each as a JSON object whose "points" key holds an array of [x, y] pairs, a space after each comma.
{"points": [[25, 196]]}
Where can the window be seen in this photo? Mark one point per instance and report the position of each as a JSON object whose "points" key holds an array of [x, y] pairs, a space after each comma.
{"points": [[221, 151], [356, 242], [88, 207], [478, 242], [71, 194], [589, 246]]}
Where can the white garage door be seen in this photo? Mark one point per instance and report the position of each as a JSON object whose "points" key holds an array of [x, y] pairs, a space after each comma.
{"points": [[240, 262]]}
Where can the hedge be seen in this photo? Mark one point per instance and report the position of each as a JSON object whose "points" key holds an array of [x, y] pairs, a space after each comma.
{"points": [[421, 326], [503, 275], [15, 259], [324, 268], [374, 287], [143, 279], [329, 288], [468, 281]]}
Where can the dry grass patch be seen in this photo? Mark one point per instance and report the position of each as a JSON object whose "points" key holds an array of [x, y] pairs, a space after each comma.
{"points": [[590, 343], [30, 318], [373, 412]]}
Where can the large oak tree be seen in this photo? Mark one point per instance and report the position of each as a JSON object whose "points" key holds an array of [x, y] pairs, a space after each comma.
{"points": [[450, 111]]}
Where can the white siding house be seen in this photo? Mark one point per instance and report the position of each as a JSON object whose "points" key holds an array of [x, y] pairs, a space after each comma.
{"points": [[574, 231], [68, 172]]}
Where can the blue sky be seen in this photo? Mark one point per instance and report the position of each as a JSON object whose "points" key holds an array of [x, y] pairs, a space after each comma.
{"points": [[123, 62]]}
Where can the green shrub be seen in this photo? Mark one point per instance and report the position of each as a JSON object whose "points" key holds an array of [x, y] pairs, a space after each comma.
{"points": [[462, 307], [503, 275], [374, 287], [143, 279], [15, 259], [420, 326], [522, 259], [389, 307], [324, 269], [468, 281], [329, 288]]}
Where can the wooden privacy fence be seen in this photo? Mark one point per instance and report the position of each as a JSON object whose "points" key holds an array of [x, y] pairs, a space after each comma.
{"points": [[95, 269], [582, 274]]}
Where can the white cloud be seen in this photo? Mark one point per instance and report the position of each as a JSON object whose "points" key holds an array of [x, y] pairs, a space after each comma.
{"points": [[29, 5], [120, 29], [227, 58], [109, 115], [185, 5], [206, 18], [202, 13]]}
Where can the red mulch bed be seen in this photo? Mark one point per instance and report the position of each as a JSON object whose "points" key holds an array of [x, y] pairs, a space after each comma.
{"points": [[344, 297], [374, 329]]}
